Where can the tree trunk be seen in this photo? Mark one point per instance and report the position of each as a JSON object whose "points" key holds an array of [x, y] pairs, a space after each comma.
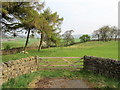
{"points": [[41, 40], [48, 43], [27, 39], [98, 38], [115, 38], [110, 38]]}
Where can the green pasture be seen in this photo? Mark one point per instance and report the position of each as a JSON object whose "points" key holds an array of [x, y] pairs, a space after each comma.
{"points": [[92, 48], [77, 40], [19, 42]]}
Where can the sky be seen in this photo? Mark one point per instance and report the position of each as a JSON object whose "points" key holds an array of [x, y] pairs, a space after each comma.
{"points": [[85, 16]]}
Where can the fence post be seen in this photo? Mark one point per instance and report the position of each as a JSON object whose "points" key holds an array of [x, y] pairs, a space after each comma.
{"points": [[37, 62], [84, 65], [36, 58]]}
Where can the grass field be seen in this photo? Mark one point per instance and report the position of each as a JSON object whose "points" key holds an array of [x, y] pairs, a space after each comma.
{"points": [[77, 40], [94, 48], [19, 42]]}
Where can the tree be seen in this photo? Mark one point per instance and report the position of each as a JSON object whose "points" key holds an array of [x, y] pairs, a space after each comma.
{"points": [[41, 28], [49, 27], [118, 34], [114, 32], [30, 22], [68, 38], [16, 10], [32, 36], [96, 34], [29, 18], [25, 12], [9, 18], [32, 19], [84, 38], [104, 32]]}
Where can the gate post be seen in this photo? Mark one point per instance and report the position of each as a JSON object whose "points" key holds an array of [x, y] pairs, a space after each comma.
{"points": [[36, 58], [84, 63], [37, 62]]}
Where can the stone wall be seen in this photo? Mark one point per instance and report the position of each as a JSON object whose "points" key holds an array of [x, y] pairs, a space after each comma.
{"points": [[103, 66], [16, 50], [14, 68], [12, 51]]}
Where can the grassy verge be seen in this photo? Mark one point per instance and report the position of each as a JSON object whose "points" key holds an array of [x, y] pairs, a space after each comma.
{"points": [[94, 80]]}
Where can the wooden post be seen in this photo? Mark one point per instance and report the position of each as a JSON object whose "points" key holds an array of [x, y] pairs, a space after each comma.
{"points": [[84, 63], [36, 58], [37, 63]]}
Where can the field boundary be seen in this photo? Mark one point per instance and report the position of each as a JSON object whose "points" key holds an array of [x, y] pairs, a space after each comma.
{"points": [[70, 64], [14, 68], [103, 66], [19, 49]]}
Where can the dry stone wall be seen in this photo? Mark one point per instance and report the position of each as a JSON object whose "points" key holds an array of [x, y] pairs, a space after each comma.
{"points": [[14, 68], [19, 67], [17, 50], [14, 50], [103, 66]]}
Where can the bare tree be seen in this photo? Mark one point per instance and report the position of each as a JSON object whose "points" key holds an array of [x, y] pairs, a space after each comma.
{"points": [[118, 34], [68, 38], [104, 31], [115, 32], [96, 34]]}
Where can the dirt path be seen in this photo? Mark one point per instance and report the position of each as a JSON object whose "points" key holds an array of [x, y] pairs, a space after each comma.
{"points": [[60, 83]]}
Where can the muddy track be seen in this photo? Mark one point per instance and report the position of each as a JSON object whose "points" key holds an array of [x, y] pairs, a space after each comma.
{"points": [[60, 83]]}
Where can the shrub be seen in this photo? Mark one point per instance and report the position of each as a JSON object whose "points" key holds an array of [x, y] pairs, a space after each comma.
{"points": [[84, 38], [7, 47]]}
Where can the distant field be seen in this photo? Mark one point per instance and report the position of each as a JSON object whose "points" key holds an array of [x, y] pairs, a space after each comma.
{"points": [[77, 40], [19, 42], [94, 48]]}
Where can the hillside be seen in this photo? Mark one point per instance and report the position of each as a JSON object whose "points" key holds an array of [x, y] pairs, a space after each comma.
{"points": [[93, 48]]}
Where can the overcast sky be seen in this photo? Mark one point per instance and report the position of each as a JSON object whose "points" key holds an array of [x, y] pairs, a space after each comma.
{"points": [[85, 16]]}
